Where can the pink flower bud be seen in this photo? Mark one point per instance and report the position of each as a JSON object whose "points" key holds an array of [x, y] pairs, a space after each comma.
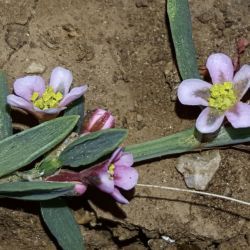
{"points": [[80, 189], [97, 120]]}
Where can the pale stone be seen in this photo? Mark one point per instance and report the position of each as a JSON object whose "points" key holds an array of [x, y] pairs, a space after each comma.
{"points": [[198, 169], [35, 68]]}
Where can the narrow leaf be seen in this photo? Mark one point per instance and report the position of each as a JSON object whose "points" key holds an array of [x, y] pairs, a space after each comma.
{"points": [[176, 143], [181, 29], [5, 120], [37, 190], [21, 149], [61, 223], [91, 147], [76, 108], [185, 141]]}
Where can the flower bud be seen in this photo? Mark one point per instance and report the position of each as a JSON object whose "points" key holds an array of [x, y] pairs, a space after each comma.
{"points": [[80, 189], [97, 120]]}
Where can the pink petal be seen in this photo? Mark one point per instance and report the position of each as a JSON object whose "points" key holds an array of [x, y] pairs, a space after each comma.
{"points": [[110, 123], [242, 81], [220, 67], [26, 86], [126, 160], [114, 157], [60, 80], [104, 182], [209, 121], [125, 177], [194, 92], [119, 197], [239, 116], [73, 95], [19, 102]]}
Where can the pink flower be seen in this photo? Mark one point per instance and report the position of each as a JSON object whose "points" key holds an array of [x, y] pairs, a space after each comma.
{"points": [[97, 120], [117, 172], [108, 176], [222, 98], [32, 95]]}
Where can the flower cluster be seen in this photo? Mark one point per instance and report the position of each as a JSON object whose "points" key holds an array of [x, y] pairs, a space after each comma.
{"points": [[31, 93], [222, 98]]}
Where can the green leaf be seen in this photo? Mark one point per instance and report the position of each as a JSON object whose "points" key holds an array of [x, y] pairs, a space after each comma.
{"points": [[176, 143], [229, 136], [186, 141], [181, 29], [36, 190], [76, 108], [21, 149], [91, 147], [5, 120], [61, 223]]}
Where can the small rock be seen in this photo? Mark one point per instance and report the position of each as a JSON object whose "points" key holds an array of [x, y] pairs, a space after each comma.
{"points": [[139, 117], [198, 169], [35, 68]]}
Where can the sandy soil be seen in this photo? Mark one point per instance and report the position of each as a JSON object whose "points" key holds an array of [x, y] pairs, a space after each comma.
{"points": [[122, 50]]}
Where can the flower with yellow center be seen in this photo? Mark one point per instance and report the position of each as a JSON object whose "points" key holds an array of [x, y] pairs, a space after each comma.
{"points": [[222, 98], [43, 101]]}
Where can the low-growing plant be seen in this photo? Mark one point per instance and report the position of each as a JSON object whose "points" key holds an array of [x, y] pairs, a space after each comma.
{"points": [[69, 151]]}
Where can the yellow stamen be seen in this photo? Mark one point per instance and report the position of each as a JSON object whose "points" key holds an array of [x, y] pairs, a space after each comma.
{"points": [[111, 170], [49, 99], [222, 96], [34, 96]]}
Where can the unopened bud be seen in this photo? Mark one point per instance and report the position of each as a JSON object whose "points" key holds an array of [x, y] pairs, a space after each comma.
{"points": [[97, 120], [80, 189]]}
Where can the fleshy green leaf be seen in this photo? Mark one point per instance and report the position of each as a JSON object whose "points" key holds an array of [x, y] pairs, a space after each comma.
{"points": [[76, 108], [5, 120], [181, 30], [21, 149], [61, 223], [36, 190], [91, 147], [186, 141]]}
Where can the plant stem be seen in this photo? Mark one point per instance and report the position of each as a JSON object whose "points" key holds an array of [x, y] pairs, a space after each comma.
{"points": [[196, 192]]}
